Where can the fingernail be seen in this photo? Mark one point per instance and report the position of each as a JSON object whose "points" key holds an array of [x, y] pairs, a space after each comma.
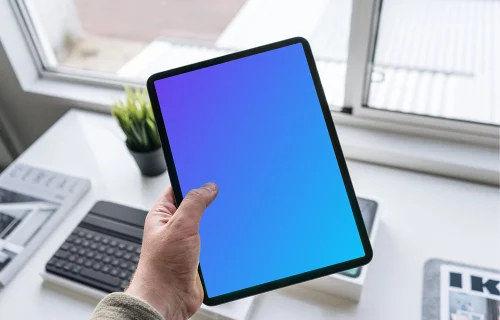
{"points": [[210, 186]]}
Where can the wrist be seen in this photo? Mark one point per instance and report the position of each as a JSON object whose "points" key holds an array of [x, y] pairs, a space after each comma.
{"points": [[160, 298]]}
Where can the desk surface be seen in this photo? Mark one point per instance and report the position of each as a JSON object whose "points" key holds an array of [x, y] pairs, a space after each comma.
{"points": [[422, 217]]}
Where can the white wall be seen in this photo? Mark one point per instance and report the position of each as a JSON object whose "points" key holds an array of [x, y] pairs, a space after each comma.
{"points": [[5, 157], [27, 115]]}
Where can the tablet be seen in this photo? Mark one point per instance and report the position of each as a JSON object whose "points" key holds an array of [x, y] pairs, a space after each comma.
{"points": [[257, 124]]}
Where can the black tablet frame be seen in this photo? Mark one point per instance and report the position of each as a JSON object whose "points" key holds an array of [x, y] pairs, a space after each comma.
{"points": [[212, 301]]}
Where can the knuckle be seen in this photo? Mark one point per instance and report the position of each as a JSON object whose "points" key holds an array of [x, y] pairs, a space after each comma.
{"points": [[196, 196]]}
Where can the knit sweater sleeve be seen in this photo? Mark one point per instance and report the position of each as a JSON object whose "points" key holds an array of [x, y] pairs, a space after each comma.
{"points": [[121, 306]]}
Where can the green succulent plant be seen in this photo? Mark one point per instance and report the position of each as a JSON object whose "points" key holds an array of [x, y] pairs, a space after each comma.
{"points": [[135, 117]]}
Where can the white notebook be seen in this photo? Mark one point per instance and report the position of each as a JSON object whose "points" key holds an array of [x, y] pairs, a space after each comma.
{"points": [[32, 202]]}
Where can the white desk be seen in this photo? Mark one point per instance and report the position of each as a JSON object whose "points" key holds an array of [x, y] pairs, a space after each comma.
{"points": [[423, 217]]}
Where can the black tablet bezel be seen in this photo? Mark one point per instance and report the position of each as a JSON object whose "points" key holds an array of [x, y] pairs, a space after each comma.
{"points": [[338, 152]]}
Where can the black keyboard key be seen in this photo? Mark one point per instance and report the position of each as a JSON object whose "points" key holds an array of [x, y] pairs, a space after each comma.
{"points": [[124, 284], [100, 277], [61, 254], [96, 259], [86, 280]]}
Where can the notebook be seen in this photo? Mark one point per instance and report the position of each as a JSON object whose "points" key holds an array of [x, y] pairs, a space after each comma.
{"points": [[32, 202]]}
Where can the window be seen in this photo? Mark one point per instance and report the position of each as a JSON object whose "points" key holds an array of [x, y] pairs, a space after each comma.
{"points": [[438, 58], [424, 63], [134, 38]]}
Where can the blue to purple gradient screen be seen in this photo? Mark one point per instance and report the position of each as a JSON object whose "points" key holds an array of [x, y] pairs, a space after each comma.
{"points": [[254, 126]]}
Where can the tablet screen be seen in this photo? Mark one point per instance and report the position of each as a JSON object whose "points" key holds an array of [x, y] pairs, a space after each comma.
{"points": [[255, 127]]}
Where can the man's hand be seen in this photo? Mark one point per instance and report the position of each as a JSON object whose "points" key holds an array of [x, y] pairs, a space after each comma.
{"points": [[167, 274]]}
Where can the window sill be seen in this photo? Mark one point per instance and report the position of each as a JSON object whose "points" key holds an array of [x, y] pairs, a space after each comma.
{"points": [[362, 139], [429, 155], [79, 95], [425, 154]]}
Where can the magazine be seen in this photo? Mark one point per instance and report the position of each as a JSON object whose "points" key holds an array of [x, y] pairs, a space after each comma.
{"points": [[32, 202], [469, 293]]}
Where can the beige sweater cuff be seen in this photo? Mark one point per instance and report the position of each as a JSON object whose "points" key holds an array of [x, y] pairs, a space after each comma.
{"points": [[121, 306]]}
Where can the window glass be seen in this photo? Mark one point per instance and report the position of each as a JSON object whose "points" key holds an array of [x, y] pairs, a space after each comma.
{"points": [[135, 38], [438, 58]]}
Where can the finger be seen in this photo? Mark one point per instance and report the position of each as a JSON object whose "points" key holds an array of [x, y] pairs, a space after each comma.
{"points": [[167, 195], [164, 208], [194, 204], [167, 201], [199, 286]]}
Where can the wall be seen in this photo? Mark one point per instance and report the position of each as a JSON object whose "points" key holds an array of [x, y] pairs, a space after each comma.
{"points": [[27, 115], [5, 156]]}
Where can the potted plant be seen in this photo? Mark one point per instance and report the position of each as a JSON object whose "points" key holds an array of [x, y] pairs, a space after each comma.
{"points": [[135, 117]]}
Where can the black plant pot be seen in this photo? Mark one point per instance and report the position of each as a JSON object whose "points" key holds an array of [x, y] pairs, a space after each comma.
{"points": [[150, 163]]}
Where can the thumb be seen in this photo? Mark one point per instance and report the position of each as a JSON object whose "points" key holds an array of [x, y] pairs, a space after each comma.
{"points": [[193, 205]]}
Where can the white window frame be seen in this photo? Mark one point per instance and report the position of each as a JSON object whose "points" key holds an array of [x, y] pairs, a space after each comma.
{"points": [[364, 24], [46, 63], [427, 146]]}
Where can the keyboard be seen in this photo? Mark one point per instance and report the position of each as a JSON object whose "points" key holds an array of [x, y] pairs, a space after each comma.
{"points": [[103, 250]]}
